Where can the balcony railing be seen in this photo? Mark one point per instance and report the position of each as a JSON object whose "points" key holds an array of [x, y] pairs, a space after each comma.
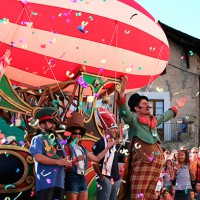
{"points": [[169, 132]]}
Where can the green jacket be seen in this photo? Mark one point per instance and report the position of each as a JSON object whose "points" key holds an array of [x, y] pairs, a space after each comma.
{"points": [[143, 131]]}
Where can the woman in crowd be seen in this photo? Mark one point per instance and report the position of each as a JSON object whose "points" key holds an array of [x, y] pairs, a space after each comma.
{"points": [[156, 196], [174, 156], [75, 183], [184, 174]]}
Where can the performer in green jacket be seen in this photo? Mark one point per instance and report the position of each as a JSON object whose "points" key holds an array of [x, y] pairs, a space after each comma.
{"points": [[146, 158]]}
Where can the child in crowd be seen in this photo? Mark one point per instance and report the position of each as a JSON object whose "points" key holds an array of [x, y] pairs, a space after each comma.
{"points": [[184, 174], [166, 195], [172, 191], [168, 174], [192, 194]]}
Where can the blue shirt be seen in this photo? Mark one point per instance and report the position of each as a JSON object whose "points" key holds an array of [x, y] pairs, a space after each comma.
{"points": [[47, 176]]}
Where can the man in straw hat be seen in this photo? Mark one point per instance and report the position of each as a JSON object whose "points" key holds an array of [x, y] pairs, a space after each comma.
{"points": [[146, 158], [49, 157], [107, 171]]}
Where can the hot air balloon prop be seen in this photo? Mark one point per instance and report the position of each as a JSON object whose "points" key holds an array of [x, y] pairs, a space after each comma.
{"points": [[51, 40]]}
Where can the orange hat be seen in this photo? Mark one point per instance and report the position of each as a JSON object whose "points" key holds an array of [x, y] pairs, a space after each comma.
{"points": [[107, 119]]}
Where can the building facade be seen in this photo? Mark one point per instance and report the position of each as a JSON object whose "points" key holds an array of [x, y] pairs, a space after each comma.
{"points": [[181, 78]]}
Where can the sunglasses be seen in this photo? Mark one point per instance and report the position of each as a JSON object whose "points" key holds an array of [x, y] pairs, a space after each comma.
{"points": [[76, 133]]}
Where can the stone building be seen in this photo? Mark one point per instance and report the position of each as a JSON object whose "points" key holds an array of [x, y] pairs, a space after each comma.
{"points": [[180, 78]]}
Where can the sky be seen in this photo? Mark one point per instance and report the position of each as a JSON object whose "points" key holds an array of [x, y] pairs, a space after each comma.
{"points": [[183, 15]]}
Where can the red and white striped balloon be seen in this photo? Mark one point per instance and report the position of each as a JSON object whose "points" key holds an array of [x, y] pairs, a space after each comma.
{"points": [[51, 37]]}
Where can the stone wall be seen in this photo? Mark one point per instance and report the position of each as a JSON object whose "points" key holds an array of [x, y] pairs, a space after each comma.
{"points": [[180, 83]]}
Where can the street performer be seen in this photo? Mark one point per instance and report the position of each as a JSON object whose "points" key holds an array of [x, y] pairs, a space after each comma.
{"points": [[146, 158]]}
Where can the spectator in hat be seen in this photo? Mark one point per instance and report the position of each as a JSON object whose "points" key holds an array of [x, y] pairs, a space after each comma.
{"points": [[75, 183], [184, 128], [146, 158], [107, 172], [49, 157]]}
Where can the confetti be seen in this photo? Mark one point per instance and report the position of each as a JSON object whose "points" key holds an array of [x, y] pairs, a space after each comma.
{"points": [[74, 142], [62, 55], [90, 99], [133, 15], [154, 134], [128, 69], [7, 198], [152, 48], [140, 195], [156, 153], [69, 74], [55, 102], [24, 2], [151, 158], [191, 53], [52, 40], [159, 89], [126, 126], [90, 17], [127, 32], [107, 136], [63, 142], [82, 83], [99, 187], [9, 185], [78, 14], [32, 194], [124, 112], [17, 196], [34, 13], [182, 57], [137, 146], [21, 143], [22, 40], [43, 46], [68, 114], [96, 95], [12, 44], [48, 181], [17, 170], [186, 191]]}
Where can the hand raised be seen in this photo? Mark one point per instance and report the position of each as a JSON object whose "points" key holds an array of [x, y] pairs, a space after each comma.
{"points": [[123, 84], [111, 143], [181, 102]]}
